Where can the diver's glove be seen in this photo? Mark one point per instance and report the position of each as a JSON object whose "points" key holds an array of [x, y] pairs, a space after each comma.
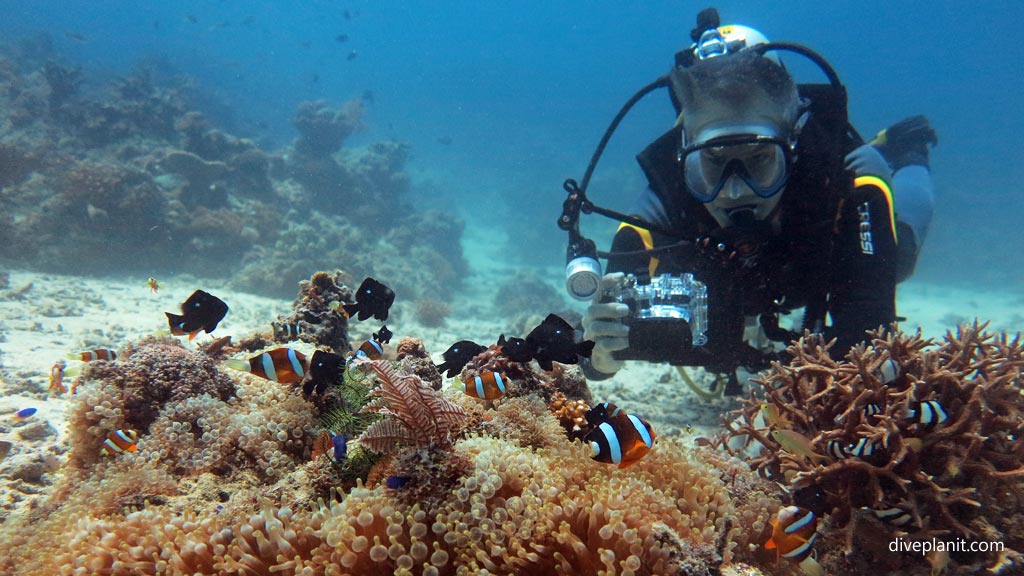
{"points": [[907, 141], [603, 324], [867, 160]]}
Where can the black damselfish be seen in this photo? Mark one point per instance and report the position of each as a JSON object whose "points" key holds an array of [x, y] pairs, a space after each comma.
{"points": [[383, 335], [325, 369], [372, 299], [554, 340], [457, 356], [201, 312]]}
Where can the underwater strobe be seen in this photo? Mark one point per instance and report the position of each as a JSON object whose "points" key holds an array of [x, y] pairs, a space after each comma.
{"points": [[582, 270]]}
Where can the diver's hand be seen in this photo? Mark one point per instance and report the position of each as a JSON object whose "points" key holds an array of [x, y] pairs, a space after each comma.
{"points": [[867, 160], [603, 324], [907, 141]]}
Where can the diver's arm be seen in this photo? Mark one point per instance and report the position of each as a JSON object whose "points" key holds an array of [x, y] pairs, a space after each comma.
{"points": [[914, 195], [863, 288]]}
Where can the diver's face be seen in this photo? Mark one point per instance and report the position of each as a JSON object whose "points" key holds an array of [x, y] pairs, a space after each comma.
{"points": [[737, 203]]}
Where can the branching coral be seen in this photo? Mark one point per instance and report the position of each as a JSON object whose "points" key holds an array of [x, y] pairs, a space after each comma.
{"points": [[929, 434]]}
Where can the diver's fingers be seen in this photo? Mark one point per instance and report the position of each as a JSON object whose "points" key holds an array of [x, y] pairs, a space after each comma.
{"points": [[601, 330], [606, 311], [609, 281], [610, 344]]}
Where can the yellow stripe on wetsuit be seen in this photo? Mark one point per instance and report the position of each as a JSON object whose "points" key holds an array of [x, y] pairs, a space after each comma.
{"points": [[648, 240], [886, 191]]}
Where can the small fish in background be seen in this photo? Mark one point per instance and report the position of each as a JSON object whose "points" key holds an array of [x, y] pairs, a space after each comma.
{"points": [[773, 416], [192, 18], [341, 38], [457, 356], [383, 335], [5, 449], [325, 369], [286, 332], [485, 386], [794, 531], [352, 55], [372, 299], [396, 482], [928, 414], [76, 36], [515, 349], [153, 284], [119, 441], [202, 311], [328, 443], [554, 340], [444, 140], [622, 439], [284, 365], [93, 355], [57, 386], [798, 445], [25, 414]]}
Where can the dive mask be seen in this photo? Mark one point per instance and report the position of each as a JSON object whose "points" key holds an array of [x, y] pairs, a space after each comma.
{"points": [[761, 162]]}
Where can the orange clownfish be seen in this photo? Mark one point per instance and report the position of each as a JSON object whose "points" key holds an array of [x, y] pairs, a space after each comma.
{"points": [[119, 441], [794, 530], [92, 355], [485, 386], [283, 365], [621, 439]]}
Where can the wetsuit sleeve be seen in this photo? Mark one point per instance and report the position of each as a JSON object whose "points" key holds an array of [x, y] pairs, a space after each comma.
{"points": [[863, 288]]}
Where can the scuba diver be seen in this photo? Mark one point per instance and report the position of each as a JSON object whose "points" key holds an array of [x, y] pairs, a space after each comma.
{"points": [[761, 199]]}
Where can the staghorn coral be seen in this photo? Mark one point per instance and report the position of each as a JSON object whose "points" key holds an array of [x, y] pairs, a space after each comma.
{"points": [[958, 478]]}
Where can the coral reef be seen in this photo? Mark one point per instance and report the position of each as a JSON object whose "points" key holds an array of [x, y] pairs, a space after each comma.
{"points": [[902, 437], [130, 163]]}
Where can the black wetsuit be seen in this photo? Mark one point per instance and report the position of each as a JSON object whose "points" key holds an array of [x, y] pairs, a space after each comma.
{"points": [[830, 246]]}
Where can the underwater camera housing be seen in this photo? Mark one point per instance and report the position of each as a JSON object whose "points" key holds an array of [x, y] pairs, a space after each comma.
{"points": [[668, 317]]}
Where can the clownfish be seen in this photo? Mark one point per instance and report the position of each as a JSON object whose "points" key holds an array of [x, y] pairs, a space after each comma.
{"points": [[286, 332], [369, 349], [622, 439], [794, 530], [485, 386], [119, 441], [92, 355], [153, 284], [283, 365]]}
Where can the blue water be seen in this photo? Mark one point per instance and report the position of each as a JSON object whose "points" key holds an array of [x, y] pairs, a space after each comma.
{"points": [[502, 101]]}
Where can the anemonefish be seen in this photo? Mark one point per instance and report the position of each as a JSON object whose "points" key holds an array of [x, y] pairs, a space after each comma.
{"points": [[153, 284], [57, 378], [794, 530], [928, 414], [286, 332], [622, 439], [91, 355], [485, 386], [369, 349], [284, 365], [119, 441]]}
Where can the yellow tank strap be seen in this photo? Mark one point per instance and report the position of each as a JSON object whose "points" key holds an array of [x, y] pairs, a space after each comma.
{"points": [[886, 191], [648, 240]]}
